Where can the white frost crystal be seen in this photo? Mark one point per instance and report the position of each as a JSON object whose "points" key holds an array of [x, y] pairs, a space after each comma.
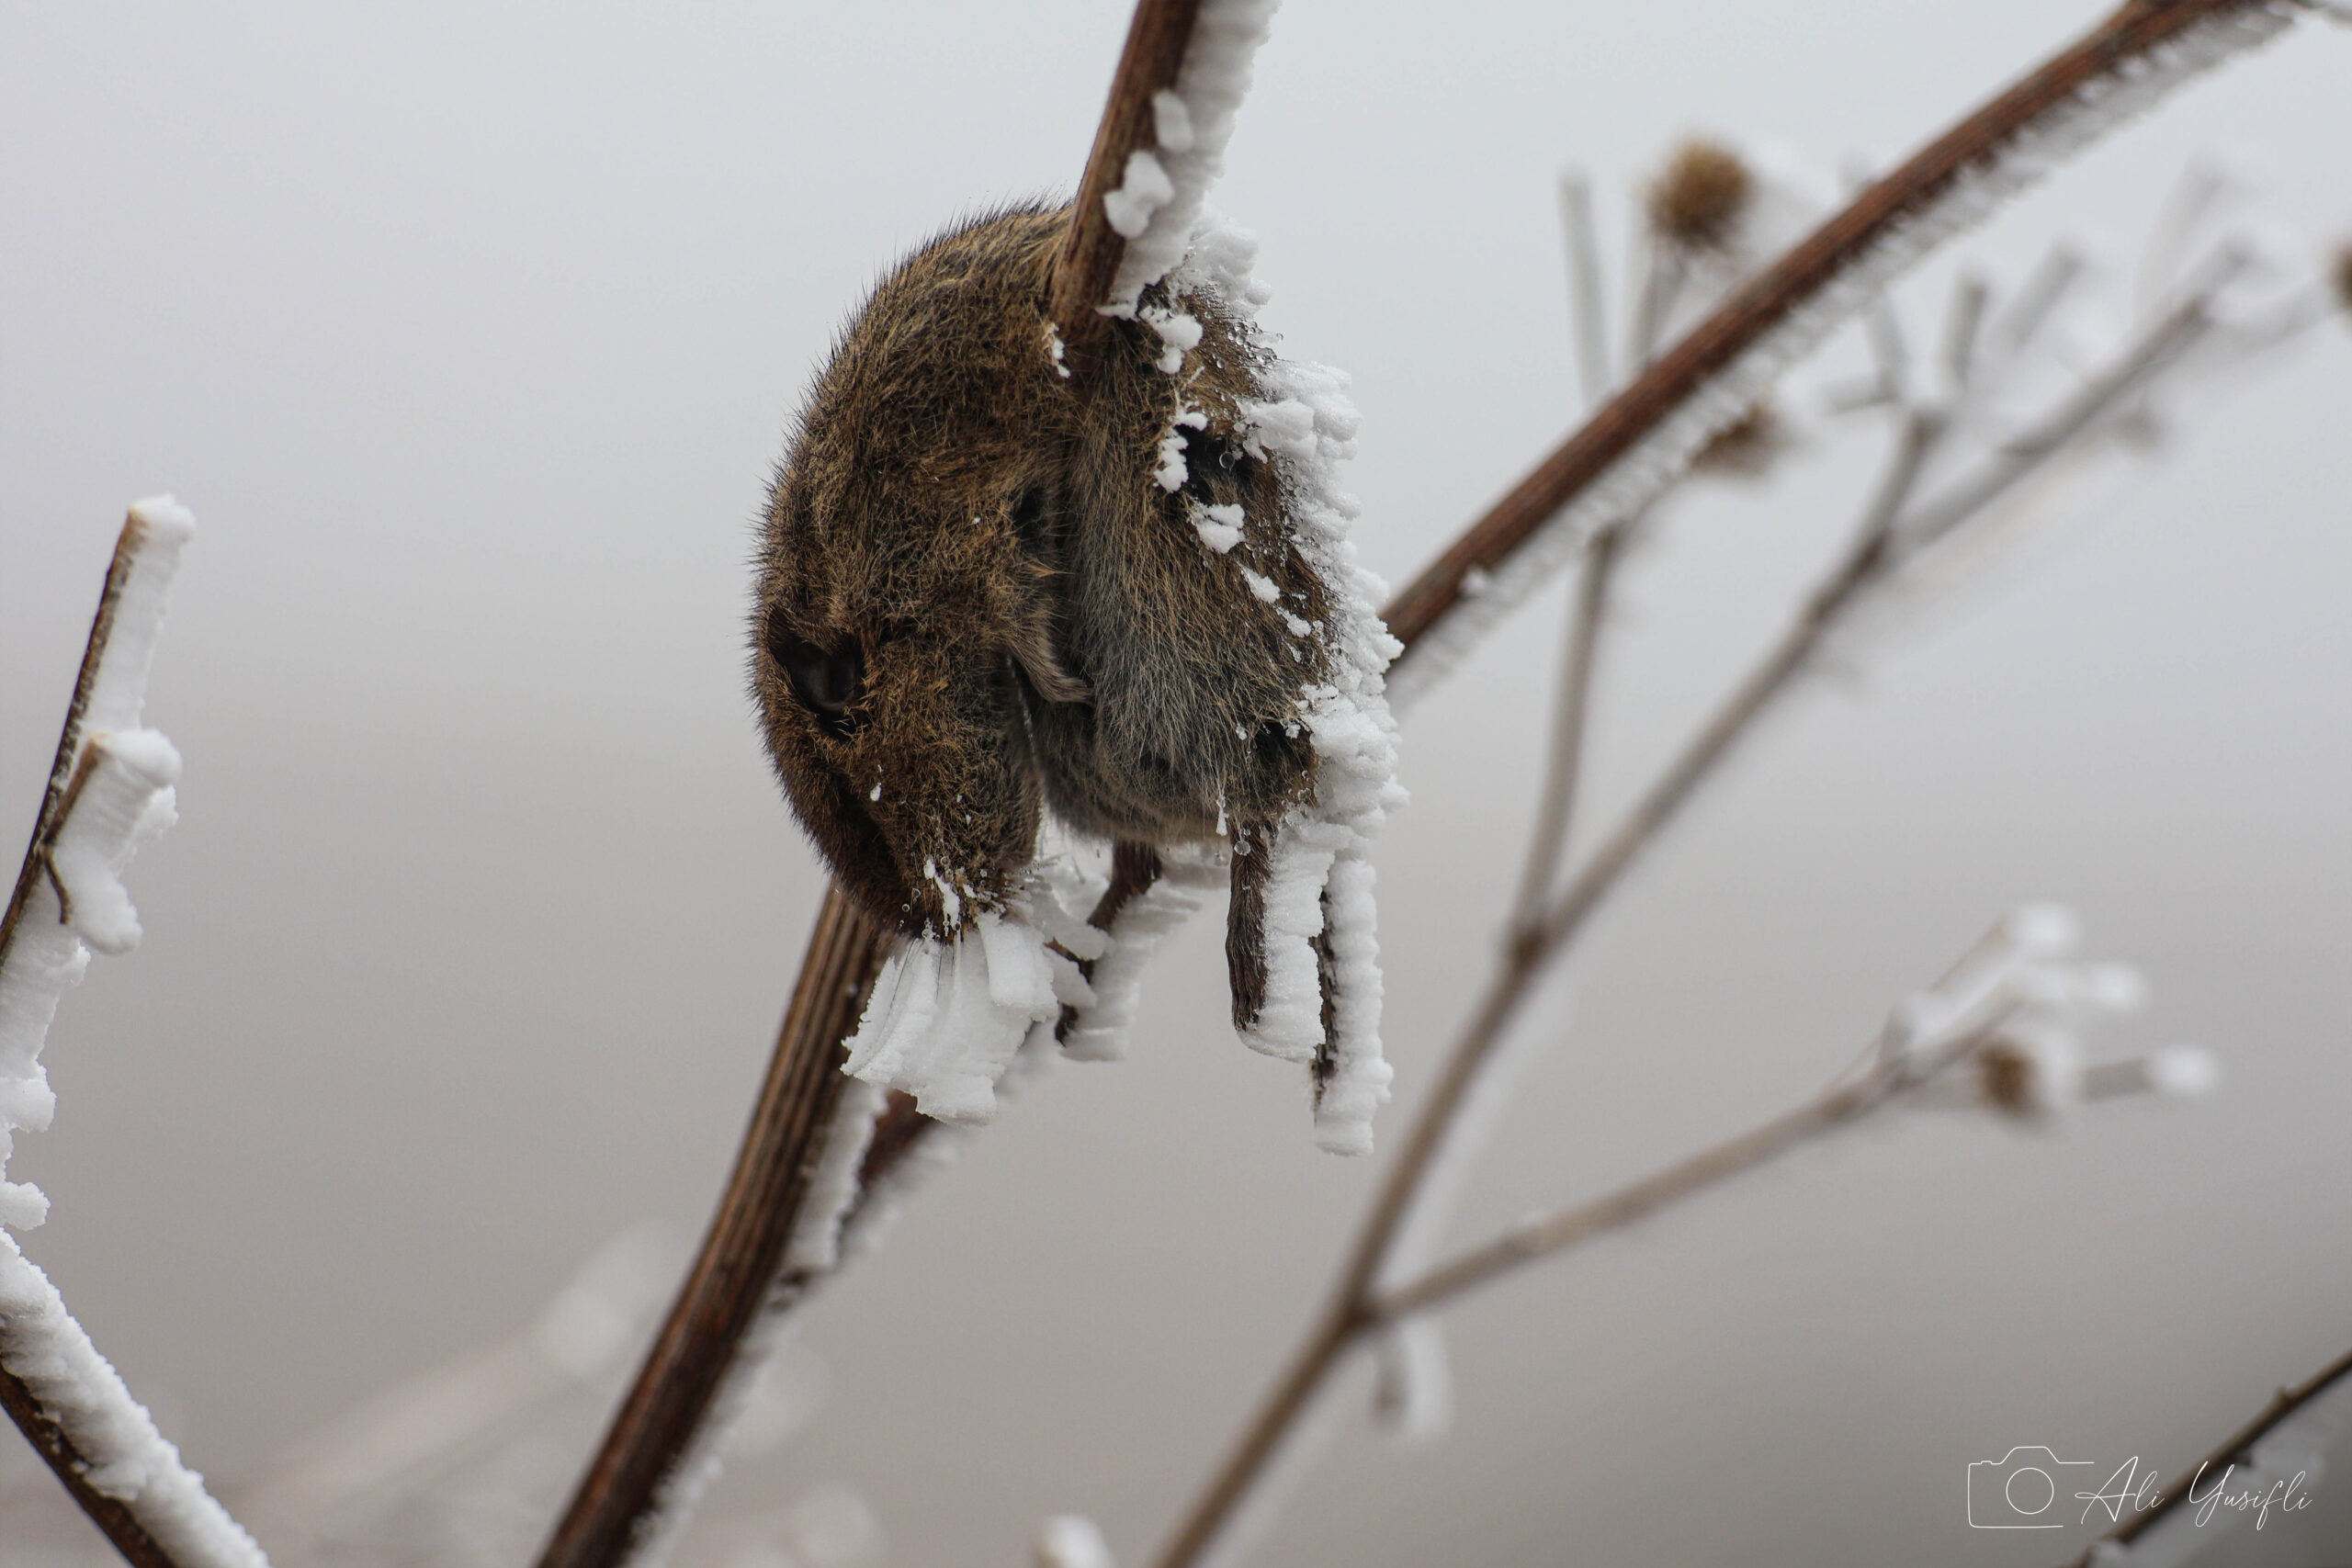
{"points": [[946, 1017], [1070, 1541], [1320, 885], [1159, 201]]}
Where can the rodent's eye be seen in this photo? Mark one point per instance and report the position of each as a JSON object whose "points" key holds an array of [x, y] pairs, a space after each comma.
{"points": [[828, 681]]}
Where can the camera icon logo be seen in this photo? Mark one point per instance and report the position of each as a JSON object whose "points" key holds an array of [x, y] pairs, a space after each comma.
{"points": [[2020, 1490]]}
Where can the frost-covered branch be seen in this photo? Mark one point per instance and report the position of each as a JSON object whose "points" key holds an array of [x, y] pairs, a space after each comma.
{"points": [[2008, 1012], [1628, 452], [784, 1203], [1158, 149], [110, 792]]}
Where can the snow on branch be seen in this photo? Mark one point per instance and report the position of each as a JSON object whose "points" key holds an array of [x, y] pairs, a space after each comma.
{"points": [[2000, 1030], [1159, 147], [110, 792]]}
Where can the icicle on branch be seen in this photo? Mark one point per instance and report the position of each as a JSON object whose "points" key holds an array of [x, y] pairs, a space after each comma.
{"points": [[110, 792]]}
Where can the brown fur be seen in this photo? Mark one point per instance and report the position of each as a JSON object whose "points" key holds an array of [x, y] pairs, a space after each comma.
{"points": [[1038, 622]]}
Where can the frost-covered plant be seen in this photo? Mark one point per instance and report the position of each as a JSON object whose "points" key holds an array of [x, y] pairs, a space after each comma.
{"points": [[994, 967], [110, 793]]}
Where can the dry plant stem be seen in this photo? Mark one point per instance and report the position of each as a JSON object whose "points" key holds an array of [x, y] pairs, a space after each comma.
{"points": [[1570, 721], [1562, 1229], [2238, 1449], [738, 1265], [741, 1256], [1771, 295], [1587, 309], [736, 1274], [53, 802], [2026, 454], [112, 1517], [1088, 258]]}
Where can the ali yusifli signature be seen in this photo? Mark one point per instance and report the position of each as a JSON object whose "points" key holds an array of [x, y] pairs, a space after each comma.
{"points": [[2018, 1490], [2126, 1489]]}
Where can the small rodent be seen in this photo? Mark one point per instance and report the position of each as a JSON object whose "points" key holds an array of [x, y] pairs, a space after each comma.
{"points": [[977, 600]]}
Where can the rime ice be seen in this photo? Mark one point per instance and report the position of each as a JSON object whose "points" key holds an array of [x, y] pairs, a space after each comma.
{"points": [[119, 785], [118, 777], [1158, 203]]}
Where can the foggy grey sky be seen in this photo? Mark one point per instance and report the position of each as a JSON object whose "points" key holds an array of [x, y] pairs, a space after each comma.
{"points": [[469, 332]]}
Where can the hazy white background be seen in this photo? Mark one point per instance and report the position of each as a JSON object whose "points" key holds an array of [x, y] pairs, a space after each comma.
{"points": [[469, 332]]}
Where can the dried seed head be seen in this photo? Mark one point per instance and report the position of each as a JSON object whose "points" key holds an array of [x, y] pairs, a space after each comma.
{"points": [[1745, 449], [1698, 198], [2009, 1078], [2031, 1073]]}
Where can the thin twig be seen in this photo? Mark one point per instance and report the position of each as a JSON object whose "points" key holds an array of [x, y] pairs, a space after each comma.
{"points": [[68, 738], [112, 1515], [1587, 308], [2037, 298], [2024, 455], [1548, 1234], [2237, 1449], [1571, 719], [1088, 258]]}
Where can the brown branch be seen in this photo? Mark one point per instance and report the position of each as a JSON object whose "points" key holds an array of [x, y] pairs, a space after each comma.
{"points": [[1090, 255], [1773, 295], [1571, 719], [741, 1256], [1353, 1309], [112, 1515], [68, 738]]}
